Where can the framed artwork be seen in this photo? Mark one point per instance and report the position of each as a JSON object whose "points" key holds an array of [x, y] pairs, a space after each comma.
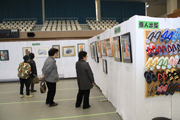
{"points": [[98, 45], [57, 47], [92, 50], [27, 50], [103, 48], [42, 52], [4, 55], [126, 48], [68, 51], [96, 58], [81, 47], [104, 64], [117, 50], [109, 47]]}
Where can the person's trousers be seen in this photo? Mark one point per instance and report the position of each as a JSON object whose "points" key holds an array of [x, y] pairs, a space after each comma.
{"points": [[31, 86], [22, 82], [83, 94], [51, 92]]}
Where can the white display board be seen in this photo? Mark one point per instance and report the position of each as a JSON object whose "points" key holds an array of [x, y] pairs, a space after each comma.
{"points": [[124, 85], [66, 65]]}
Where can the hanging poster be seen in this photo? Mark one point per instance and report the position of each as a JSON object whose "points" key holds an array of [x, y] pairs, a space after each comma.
{"points": [[109, 47], [57, 47], [117, 50], [68, 51], [4, 55], [27, 50]]}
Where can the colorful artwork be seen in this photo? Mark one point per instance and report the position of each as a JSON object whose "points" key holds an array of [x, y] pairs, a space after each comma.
{"points": [[109, 47], [68, 51], [4, 55], [81, 47], [103, 48], [27, 50], [117, 50], [98, 45], [126, 48], [57, 47], [42, 51], [92, 50]]}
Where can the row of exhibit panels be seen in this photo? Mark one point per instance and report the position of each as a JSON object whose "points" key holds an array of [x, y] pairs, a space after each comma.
{"points": [[67, 51], [16, 50], [124, 85], [118, 47]]}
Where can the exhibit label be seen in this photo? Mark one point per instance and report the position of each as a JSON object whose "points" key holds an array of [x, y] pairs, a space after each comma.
{"points": [[35, 44], [117, 30], [148, 25]]}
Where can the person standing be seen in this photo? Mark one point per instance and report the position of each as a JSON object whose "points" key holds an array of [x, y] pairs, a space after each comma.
{"points": [[85, 80], [50, 75], [24, 71], [33, 70]]}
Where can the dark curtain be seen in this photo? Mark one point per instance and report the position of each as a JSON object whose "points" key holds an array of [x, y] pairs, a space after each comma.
{"points": [[70, 8], [21, 9], [121, 10]]}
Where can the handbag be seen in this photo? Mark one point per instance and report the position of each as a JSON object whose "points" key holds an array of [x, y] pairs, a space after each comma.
{"points": [[42, 87], [35, 80]]}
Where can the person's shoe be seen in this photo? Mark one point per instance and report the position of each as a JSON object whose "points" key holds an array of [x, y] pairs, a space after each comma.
{"points": [[54, 104], [86, 107], [47, 102], [78, 106], [33, 90], [29, 96], [21, 96]]}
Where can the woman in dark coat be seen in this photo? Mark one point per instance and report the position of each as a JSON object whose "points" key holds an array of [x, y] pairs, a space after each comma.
{"points": [[85, 80]]}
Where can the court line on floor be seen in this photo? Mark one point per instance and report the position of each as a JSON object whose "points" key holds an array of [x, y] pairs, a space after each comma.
{"points": [[56, 89], [17, 84], [78, 116], [44, 100]]}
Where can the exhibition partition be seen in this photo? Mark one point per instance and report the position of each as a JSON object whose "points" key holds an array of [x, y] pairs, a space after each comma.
{"points": [[124, 83], [66, 65]]}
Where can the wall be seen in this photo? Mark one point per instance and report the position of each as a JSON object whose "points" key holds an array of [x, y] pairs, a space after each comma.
{"points": [[156, 10], [66, 65], [124, 85]]}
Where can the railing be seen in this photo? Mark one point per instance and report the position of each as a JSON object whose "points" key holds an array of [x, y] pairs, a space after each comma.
{"points": [[92, 18], [62, 18], [20, 19]]}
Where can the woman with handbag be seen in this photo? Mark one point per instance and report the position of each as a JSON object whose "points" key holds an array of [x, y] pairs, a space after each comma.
{"points": [[33, 70], [50, 75]]}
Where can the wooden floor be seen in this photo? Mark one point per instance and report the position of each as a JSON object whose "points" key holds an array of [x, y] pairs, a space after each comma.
{"points": [[12, 107]]}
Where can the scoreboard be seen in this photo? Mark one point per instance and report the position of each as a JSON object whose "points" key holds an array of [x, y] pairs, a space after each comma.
{"points": [[9, 33]]}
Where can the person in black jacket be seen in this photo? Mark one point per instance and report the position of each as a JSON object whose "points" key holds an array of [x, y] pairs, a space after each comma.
{"points": [[33, 70], [85, 80]]}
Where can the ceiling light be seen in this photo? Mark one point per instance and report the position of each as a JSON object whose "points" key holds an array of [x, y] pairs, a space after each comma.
{"points": [[147, 5]]}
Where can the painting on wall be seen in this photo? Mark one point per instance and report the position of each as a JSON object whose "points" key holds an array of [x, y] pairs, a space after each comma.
{"points": [[81, 47], [4, 55], [117, 50], [109, 47], [92, 50], [98, 45], [104, 64], [27, 50], [68, 51], [96, 58], [42, 52], [103, 48], [126, 48], [57, 47]]}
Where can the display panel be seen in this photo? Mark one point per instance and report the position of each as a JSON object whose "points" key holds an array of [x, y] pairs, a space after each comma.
{"points": [[9, 33]]}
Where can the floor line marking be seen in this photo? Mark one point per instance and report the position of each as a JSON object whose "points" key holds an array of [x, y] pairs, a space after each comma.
{"points": [[44, 100], [56, 89], [79, 116]]}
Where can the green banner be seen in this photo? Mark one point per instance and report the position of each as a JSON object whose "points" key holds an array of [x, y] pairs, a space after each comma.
{"points": [[117, 30], [35, 44], [148, 25], [98, 37]]}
